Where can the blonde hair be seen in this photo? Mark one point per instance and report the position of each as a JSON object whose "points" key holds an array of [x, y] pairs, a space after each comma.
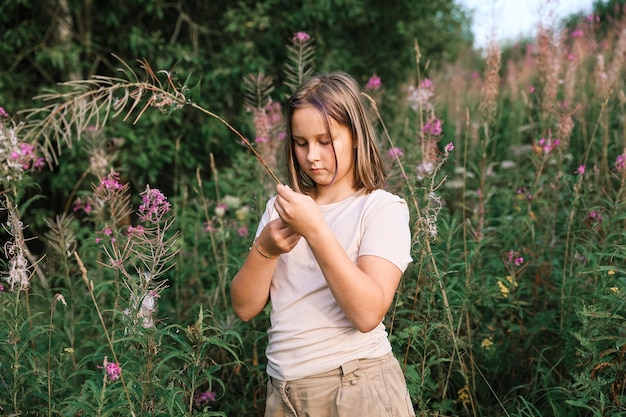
{"points": [[336, 96]]}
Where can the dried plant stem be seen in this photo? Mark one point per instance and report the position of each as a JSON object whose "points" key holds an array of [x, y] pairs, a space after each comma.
{"points": [[90, 287], [243, 139], [67, 119]]}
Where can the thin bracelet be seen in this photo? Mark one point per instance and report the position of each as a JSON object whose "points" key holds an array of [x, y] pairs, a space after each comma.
{"points": [[265, 255]]}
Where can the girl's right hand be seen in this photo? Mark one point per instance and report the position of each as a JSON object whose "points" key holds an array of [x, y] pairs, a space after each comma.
{"points": [[276, 238]]}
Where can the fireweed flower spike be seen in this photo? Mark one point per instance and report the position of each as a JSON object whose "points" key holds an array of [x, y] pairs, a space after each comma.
{"points": [[300, 37], [373, 83], [112, 370], [154, 206], [202, 399], [18, 275], [395, 153]]}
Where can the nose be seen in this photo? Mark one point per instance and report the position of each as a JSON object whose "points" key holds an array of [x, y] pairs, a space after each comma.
{"points": [[313, 153]]}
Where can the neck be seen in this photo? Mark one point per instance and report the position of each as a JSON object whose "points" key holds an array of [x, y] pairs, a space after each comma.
{"points": [[329, 194]]}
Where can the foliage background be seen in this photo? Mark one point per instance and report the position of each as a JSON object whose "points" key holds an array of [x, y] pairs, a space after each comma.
{"points": [[478, 331]]}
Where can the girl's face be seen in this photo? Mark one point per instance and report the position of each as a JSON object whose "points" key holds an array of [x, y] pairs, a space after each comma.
{"points": [[314, 151]]}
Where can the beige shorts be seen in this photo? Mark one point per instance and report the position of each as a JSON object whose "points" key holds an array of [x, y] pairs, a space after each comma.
{"points": [[359, 388]]}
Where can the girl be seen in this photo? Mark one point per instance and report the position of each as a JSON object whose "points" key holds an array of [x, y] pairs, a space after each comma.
{"points": [[329, 253]]}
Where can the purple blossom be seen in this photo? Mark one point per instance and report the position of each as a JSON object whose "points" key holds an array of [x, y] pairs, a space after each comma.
{"points": [[80, 205], [595, 216], [373, 83], [242, 231], [39, 163], [202, 399], [580, 170], [432, 127], [3, 112], [113, 370], [513, 258], [261, 139], [154, 206], [300, 38], [578, 33], [449, 147], [139, 230], [548, 145], [395, 153], [427, 84], [111, 182]]}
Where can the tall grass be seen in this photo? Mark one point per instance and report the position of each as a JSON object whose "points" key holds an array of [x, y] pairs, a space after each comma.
{"points": [[514, 305]]}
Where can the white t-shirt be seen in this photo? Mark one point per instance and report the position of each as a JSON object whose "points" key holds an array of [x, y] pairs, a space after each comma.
{"points": [[309, 333]]}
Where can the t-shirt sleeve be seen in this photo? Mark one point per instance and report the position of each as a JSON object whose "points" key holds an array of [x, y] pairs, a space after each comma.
{"points": [[268, 215], [386, 232]]}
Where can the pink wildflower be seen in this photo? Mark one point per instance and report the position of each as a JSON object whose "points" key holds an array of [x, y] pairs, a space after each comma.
{"points": [[432, 127], [139, 230], [261, 139], [427, 84], [449, 147], [3, 112], [580, 170], [548, 145], [595, 216], [26, 149], [110, 182], [242, 231], [395, 153], [578, 33], [513, 258], [531, 89], [39, 163], [373, 83], [154, 205], [300, 38], [202, 399], [80, 205], [113, 370]]}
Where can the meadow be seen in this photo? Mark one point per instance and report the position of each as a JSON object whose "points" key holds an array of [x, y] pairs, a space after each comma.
{"points": [[514, 166]]}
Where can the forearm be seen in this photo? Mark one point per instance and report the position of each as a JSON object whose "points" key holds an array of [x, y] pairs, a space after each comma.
{"points": [[250, 288]]}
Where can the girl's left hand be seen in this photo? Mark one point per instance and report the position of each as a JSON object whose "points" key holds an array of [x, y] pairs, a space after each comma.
{"points": [[298, 211]]}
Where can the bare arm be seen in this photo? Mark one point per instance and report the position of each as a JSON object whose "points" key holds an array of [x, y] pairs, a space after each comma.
{"points": [[250, 288], [363, 291]]}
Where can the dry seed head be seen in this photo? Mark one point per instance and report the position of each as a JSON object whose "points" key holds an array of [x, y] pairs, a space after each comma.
{"points": [[489, 93], [615, 69], [601, 77], [564, 130]]}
